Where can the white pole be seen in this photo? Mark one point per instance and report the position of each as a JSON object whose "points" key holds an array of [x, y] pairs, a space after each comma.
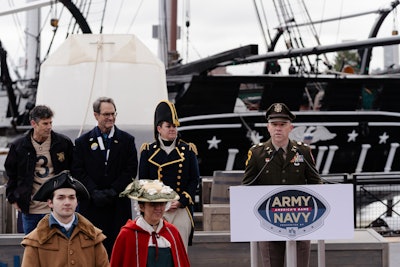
{"points": [[321, 253], [253, 254], [162, 31], [32, 42], [291, 253]]}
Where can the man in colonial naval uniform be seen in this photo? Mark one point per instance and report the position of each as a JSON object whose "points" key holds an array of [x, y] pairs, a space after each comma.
{"points": [[281, 161], [174, 162]]}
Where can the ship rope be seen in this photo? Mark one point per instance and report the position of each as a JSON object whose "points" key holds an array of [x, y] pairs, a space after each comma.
{"points": [[118, 16], [134, 17], [260, 22], [102, 16], [99, 49]]}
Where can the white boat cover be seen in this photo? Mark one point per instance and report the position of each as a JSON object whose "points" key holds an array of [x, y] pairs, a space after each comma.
{"points": [[87, 66]]}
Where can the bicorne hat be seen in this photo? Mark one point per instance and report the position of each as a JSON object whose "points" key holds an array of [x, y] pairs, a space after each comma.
{"points": [[165, 111], [279, 112], [61, 180], [149, 191]]}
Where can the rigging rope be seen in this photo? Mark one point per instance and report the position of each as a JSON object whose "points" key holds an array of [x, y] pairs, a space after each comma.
{"points": [[134, 17], [186, 18], [99, 49], [260, 24], [103, 15], [339, 21], [17, 23], [266, 21], [118, 15], [54, 35]]}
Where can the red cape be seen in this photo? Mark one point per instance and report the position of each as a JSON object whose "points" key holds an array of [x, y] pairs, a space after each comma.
{"points": [[131, 246]]}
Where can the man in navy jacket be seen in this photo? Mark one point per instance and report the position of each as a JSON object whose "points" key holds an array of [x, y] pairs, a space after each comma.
{"points": [[105, 161]]}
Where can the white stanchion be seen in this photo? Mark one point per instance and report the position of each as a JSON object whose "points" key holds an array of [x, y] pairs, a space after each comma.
{"points": [[291, 253], [321, 253], [253, 254]]}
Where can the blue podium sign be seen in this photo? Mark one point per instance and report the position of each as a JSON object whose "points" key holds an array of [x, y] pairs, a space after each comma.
{"points": [[298, 212]]}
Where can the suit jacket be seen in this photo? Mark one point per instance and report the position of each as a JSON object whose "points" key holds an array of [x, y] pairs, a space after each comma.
{"points": [[298, 168], [89, 167]]}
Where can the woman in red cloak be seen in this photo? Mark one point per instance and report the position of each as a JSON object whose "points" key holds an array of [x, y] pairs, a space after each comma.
{"points": [[149, 240]]}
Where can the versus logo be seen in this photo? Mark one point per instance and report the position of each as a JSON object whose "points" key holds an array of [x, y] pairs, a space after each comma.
{"points": [[292, 212]]}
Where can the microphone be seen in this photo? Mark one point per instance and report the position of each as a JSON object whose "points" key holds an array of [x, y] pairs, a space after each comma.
{"points": [[262, 169]]}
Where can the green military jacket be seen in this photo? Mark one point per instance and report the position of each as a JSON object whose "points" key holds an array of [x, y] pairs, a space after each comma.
{"points": [[265, 167]]}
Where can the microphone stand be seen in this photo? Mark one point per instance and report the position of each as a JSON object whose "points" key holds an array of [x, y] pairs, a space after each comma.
{"points": [[262, 169]]}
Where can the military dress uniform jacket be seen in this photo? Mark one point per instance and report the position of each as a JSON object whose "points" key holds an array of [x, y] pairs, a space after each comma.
{"points": [[297, 168], [47, 246], [21, 161], [179, 169]]}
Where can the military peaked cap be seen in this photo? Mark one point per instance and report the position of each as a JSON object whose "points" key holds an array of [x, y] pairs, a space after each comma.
{"points": [[279, 112]]}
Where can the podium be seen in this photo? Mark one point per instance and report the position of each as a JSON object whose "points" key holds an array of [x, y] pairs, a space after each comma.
{"points": [[291, 213]]}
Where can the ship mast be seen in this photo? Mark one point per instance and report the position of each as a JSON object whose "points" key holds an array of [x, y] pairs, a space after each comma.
{"points": [[32, 42], [167, 32]]}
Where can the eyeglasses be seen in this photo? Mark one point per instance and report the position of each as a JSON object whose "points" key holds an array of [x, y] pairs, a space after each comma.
{"points": [[114, 114]]}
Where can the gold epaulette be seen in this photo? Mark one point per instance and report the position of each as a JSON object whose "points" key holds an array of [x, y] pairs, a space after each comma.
{"points": [[193, 148], [145, 146]]}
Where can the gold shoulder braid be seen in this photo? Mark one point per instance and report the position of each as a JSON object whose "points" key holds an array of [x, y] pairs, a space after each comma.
{"points": [[145, 146], [193, 148], [249, 154]]}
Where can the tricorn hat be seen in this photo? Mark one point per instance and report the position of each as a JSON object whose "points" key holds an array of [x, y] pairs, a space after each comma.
{"points": [[61, 180], [279, 112], [165, 111], [149, 191]]}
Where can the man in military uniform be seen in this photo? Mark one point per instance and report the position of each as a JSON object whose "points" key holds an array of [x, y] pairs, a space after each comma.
{"points": [[281, 161], [174, 162]]}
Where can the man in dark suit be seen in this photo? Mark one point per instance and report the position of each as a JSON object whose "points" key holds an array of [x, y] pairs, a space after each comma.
{"points": [[281, 161], [105, 161]]}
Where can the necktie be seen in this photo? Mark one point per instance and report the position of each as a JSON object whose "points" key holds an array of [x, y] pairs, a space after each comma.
{"points": [[281, 154], [154, 237]]}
